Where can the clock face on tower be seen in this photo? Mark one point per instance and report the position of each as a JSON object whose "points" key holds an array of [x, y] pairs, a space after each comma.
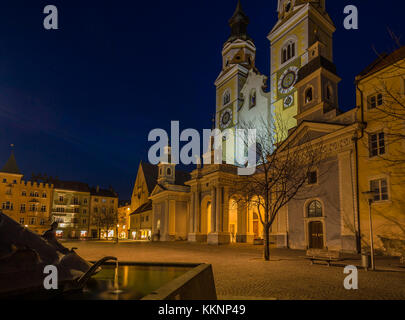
{"points": [[226, 118], [287, 80]]}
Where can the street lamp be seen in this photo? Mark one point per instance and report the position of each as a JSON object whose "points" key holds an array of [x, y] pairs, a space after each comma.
{"points": [[117, 232], [369, 195]]}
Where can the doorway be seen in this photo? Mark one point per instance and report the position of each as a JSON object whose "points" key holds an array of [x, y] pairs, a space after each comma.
{"points": [[316, 235]]}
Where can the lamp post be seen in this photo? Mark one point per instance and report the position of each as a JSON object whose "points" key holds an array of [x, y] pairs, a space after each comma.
{"points": [[370, 199], [117, 232]]}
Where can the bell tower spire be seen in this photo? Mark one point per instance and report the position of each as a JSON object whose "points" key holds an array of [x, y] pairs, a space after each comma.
{"points": [[239, 23]]}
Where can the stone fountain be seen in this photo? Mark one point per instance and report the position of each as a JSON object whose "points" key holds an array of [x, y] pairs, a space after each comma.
{"points": [[24, 255]]}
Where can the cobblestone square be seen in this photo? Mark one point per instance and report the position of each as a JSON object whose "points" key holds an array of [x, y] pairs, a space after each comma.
{"points": [[241, 273]]}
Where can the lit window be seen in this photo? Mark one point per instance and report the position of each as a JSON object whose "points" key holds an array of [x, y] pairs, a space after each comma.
{"points": [[43, 209], [375, 101], [314, 209], [7, 205], [377, 144], [380, 189], [21, 220]]}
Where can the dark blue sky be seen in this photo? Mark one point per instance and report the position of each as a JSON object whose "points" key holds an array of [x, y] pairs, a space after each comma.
{"points": [[79, 102]]}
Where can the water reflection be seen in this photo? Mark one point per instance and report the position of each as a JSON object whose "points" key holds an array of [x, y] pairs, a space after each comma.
{"points": [[127, 282]]}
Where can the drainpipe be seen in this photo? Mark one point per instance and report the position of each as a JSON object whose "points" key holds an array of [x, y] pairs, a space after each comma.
{"points": [[356, 139]]}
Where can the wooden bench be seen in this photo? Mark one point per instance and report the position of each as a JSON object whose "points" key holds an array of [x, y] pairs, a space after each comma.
{"points": [[323, 256], [258, 242]]}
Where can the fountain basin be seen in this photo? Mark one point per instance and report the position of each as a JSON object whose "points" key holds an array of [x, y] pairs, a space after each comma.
{"points": [[140, 281]]}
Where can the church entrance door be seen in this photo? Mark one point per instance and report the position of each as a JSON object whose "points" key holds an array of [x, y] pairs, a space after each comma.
{"points": [[315, 235]]}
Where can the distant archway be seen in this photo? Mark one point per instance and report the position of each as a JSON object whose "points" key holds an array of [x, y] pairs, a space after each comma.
{"points": [[233, 219]]}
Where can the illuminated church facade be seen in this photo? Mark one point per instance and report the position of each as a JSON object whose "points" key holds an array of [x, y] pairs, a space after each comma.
{"points": [[303, 93]]}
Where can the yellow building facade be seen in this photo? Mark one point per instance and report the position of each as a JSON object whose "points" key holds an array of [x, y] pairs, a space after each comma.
{"points": [[124, 211], [381, 150], [301, 23], [104, 221], [27, 202]]}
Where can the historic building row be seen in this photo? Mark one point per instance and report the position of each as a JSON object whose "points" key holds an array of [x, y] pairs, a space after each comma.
{"points": [[81, 211]]}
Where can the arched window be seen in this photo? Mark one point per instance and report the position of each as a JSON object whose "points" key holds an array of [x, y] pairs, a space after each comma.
{"points": [[329, 93], [169, 171], [252, 99], [288, 51], [308, 95], [288, 6], [227, 97], [314, 209]]}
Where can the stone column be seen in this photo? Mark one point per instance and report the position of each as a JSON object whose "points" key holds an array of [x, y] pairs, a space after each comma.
{"points": [[213, 209], [225, 210], [192, 213], [188, 217], [167, 222], [218, 209], [197, 216], [153, 221]]}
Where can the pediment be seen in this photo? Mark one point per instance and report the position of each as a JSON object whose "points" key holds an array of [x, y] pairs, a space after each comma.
{"points": [[310, 131], [158, 189]]}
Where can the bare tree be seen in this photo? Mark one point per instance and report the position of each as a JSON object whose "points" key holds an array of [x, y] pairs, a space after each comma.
{"points": [[283, 167], [105, 218]]}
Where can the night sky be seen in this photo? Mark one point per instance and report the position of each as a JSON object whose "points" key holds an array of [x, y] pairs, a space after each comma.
{"points": [[79, 102]]}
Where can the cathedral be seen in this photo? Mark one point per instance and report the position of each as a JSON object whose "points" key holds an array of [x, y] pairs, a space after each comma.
{"points": [[201, 206]]}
